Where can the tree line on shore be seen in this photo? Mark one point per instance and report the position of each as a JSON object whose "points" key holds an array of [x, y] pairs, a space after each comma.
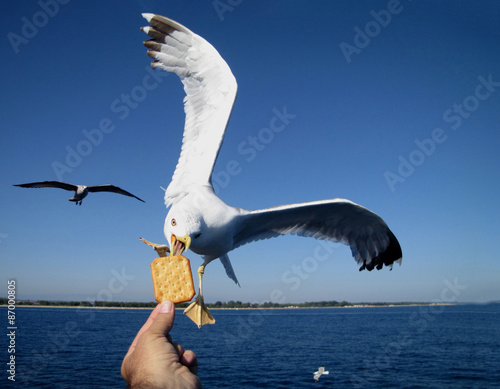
{"points": [[219, 304]]}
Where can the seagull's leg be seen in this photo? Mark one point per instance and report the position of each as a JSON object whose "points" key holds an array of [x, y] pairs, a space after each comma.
{"points": [[197, 310]]}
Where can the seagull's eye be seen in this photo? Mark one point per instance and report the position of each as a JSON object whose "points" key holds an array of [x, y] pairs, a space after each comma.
{"points": [[173, 222], [197, 236]]}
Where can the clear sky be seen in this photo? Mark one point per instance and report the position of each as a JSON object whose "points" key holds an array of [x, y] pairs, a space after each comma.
{"points": [[393, 105]]}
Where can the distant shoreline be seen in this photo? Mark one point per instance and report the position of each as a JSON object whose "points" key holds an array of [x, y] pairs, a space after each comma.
{"points": [[291, 306]]}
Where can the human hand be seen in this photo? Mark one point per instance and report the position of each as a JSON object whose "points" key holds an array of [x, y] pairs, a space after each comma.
{"points": [[153, 361]]}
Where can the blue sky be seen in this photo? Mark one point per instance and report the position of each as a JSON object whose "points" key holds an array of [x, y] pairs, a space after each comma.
{"points": [[393, 105]]}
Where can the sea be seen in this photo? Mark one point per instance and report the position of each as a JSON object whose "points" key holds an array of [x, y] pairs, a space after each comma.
{"points": [[437, 346]]}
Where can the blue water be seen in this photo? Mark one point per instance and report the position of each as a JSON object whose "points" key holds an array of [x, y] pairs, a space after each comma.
{"points": [[391, 347]]}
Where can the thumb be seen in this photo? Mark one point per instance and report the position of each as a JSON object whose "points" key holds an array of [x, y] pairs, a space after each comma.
{"points": [[164, 320]]}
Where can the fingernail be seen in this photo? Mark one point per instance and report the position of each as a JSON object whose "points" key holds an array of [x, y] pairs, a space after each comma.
{"points": [[166, 306]]}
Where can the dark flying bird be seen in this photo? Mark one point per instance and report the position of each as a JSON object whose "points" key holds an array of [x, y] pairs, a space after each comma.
{"points": [[81, 191], [198, 219]]}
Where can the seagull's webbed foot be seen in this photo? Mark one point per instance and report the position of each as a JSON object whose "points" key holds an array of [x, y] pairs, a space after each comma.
{"points": [[197, 311]]}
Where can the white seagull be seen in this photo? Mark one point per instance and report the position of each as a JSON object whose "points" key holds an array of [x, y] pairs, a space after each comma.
{"points": [[81, 191], [198, 219], [320, 372]]}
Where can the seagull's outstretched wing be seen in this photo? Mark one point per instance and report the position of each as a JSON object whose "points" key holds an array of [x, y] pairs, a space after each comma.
{"points": [[210, 93], [111, 188], [50, 184], [372, 242]]}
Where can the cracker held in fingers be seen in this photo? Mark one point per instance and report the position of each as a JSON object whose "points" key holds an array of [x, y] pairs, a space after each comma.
{"points": [[172, 279]]}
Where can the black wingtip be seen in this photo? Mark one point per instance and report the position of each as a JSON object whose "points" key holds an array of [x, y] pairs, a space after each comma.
{"points": [[392, 253]]}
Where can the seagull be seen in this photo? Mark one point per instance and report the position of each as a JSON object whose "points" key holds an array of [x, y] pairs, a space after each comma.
{"points": [[198, 219], [320, 372], [81, 191]]}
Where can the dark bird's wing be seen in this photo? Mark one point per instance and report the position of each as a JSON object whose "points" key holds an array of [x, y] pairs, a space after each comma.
{"points": [[50, 184], [372, 243], [111, 188]]}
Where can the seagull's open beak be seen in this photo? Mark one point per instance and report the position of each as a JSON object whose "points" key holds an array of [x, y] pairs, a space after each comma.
{"points": [[179, 244]]}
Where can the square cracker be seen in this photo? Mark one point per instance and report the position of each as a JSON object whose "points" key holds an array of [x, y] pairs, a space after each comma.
{"points": [[172, 279]]}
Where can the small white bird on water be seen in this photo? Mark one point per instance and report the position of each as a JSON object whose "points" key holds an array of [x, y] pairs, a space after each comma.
{"points": [[200, 220], [81, 191], [320, 372]]}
